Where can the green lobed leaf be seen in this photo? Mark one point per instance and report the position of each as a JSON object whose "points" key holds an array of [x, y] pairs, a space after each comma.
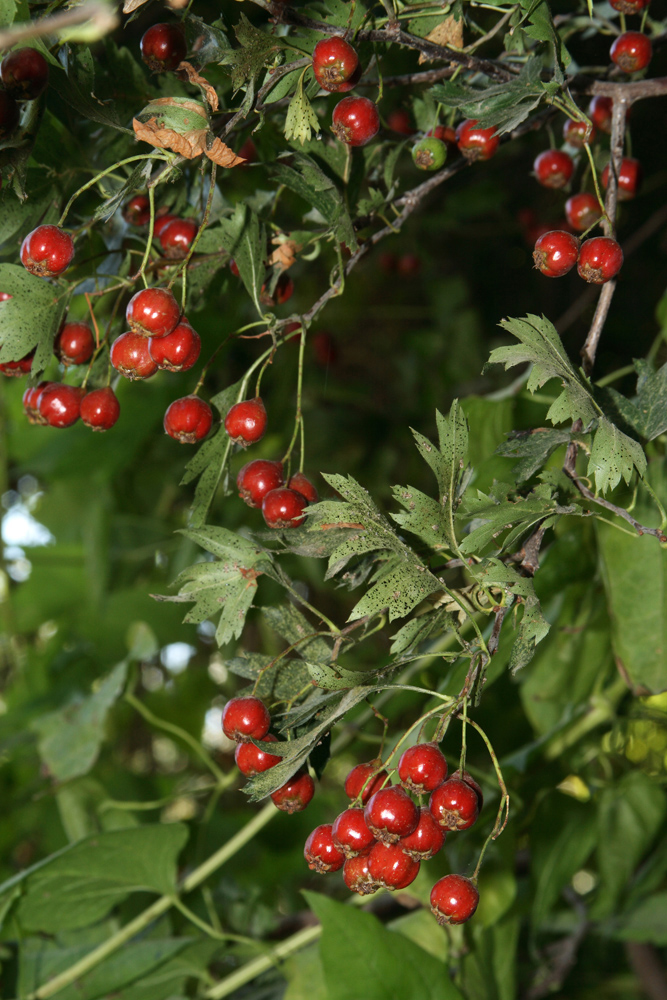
{"points": [[300, 120], [425, 518], [31, 318], [651, 399], [646, 922], [243, 238], [275, 679], [308, 180], [419, 629], [289, 623], [533, 448], [256, 50], [398, 585], [533, 626], [504, 105], [558, 852], [614, 456], [494, 513]]}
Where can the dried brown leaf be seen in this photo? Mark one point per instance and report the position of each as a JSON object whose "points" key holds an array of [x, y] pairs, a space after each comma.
{"points": [[285, 253], [190, 145], [448, 32], [197, 80], [131, 5], [223, 155]]}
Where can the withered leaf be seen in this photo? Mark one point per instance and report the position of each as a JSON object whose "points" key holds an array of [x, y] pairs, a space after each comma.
{"points": [[197, 80], [188, 145], [285, 253], [448, 32], [223, 155]]}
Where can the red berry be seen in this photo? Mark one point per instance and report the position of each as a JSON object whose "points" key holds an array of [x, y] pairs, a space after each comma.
{"points": [[556, 253], [20, 367], [47, 251], [284, 290], [577, 133], [391, 814], [426, 840], [391, 867], [245, 718], [469, 780], [60, 405], [24, 74], [582, 211], [303, 485], [246, 421], [599, 112], [100, 409], [131, 357], [257, 478], [454, 805], [324, 349], [629, 6], [188, 419], [476, 143], [631, 51], [422, 768], [153, 312], [31, 402], [364, 780], [334, 62], [295, 794], [320, 851], [176, 238], [9, 114], [137, 211], [283, 508], [629, 178], [357, 876], [163, 47], [248, 152], [250, 760], [454, 899], [5, 296], [178, 351], [399, 121], [355, 121], [553, 168], [600, 259], [351, 834], [234, 268], [75, 344], [161, 222], [446, 134]]}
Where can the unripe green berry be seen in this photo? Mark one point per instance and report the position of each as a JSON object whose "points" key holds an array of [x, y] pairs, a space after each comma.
{"points": [[429, 153]]}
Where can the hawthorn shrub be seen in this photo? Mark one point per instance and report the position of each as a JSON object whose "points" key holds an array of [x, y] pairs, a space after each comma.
{"points": [[324, 238]]}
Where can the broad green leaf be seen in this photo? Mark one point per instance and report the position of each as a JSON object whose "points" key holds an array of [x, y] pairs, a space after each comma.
{"points": [[399, 586], [494, 513], [7, 12], [308, 180], [275, 678], [425, 519], [305, 976], [300, 120], [256, 50], [504, 105], [541, 27], [335, 678], [31, 318], [646, 922], [651, 399], [243, 238], [76, 98], [559, 851], [419, 629], [614, 456], [533, 449], [533, 626], [298, 632]]}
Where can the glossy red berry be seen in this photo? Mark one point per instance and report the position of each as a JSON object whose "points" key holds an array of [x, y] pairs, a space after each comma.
{"points": [[364, 780], [100, 409], [161, 222], [74, 344], [246, 421], [391, 814], [399, 120], [351, 834], [577, 133], [469, 780], [284, 290], [153, 312], [47, 251], [334, 62], [257, 478], [60, 405], [629, 178], [454, 899], [177, 237], [5, 296], [234, 268], [163, 47], [248, 152], [250, 760], [131, 357], [454, 805], [295, 794], [9, 114], [320, 851], [425, 840], [357, 876], [188, 420], [303, 485], [20, 367], [629, 6], [24, 74], [600, 259], [283, 508], [391, 867], [582, 211], [355, 121], [631, 51], [245, 718], [556, 253], [446, 134], [553, 168], [476, 143], [600, 111], [178, 351], [429, 153], [422, 768], [137, 211], [31, 403]]}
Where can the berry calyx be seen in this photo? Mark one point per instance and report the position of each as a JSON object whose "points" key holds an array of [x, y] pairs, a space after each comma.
{"points": [[178, 351], [600, 259], [476, 143], [131, 357], [20, 367], [425, 840], [24, 74], [320, 851], [355, 121], [629, 178], [556, 253], [334, 62], [599, 112], [47, 251], [577, 133], [631, 51], [429, 153], [553, 168], [245, 718], [390, 867], [303, 485], [137, 211], [60, 405], [351, 834], [188, 419], [153, 312], [582, 211], [283, 508], [100, 409], [454, 899], [74, 344], [364, 780], [163, 47], [357, 876], [422, 768], [257, 478], [454, 805], [391, 814], [9, 114], [177, 237], [295, 794], [251, 760], [246, 421]]}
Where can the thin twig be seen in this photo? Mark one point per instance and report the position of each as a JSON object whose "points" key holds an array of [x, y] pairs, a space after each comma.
{"points": [[101, 16], [590, 347]]}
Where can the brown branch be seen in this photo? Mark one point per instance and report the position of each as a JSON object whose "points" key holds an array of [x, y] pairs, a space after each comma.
{"points": [[590, 347], [102, 18], [494, 638], [647, 966], [561, 956], [630, 92]]}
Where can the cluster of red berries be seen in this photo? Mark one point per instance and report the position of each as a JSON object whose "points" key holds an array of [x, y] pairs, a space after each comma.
{"points": [[383, 837], [24, 74], [598, 259], [174, 234], [248, 719]]}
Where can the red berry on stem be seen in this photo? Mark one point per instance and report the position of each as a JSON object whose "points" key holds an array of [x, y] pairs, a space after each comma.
{"points": [[303, 485], [100, 409], [334, 62], [391, 814], [245, 718], [251, 760], [9, 114], [454, 899], [364, 780], [454, 805], [629, 6], [24, 74], [399, 121], [577, 133], [283, 508], [153, 312], [422, 768], [556, 253], [469, 780], [295, 794], [74, 344], [631, 51], [130, 355], [188, 419], [599, 112], [178, 351], [161, 222], [17, 368], [177, 237], [629, 178], [357, 876], [426, 840], [257, 478], [355, 121], [47, 251], [351, 834], [246, 421], [137, 211], [60, 405], [582, 211], [476, 143], [553, 168], [31, 403], [163, 47], [391, 867], [600, 259], [320, 851]]}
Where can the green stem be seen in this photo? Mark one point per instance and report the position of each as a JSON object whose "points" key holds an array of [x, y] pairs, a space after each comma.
{"points": [[98, 177], [204, 223], [251, 970], [298, 418], [149, 240]]}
